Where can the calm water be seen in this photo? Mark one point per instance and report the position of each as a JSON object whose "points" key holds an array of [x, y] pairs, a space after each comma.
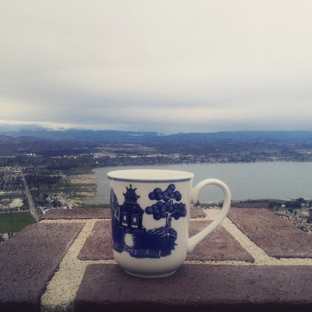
{"points": [[245, 180]]}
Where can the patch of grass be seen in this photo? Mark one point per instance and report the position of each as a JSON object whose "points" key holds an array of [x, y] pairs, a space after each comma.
{"points": [[11, 196], [78, 170], [307, 217], [90, 206], [14, 222], [251, 204], [279, 214]]}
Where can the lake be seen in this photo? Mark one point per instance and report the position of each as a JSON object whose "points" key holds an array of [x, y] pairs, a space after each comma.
{"points": [[275, 180]]}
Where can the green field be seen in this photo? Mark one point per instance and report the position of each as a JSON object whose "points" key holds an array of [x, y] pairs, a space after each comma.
{"points": [[90, 206], [14, 222]]}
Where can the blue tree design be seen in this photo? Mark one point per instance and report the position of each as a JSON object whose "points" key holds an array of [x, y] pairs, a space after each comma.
{"points": [[166, 208]]}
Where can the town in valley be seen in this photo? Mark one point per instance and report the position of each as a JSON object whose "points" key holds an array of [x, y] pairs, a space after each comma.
{"points": [[39, 172]]}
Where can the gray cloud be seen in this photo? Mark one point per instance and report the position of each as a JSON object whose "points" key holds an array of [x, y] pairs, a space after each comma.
{"points": [[167, 66]]}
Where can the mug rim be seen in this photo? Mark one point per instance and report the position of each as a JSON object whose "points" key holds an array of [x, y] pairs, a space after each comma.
{"points": [[150, 175]]}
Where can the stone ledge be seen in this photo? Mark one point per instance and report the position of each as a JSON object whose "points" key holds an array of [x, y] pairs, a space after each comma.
{"points": [[224, 273], [197, 288], [218, 246], [77, 213], [98, 245], [276, 237], [197, 212], [95, 213], [28, 261]]}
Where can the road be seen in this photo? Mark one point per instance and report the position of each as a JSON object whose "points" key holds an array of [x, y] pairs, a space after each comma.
{"points": [[32, 207]]}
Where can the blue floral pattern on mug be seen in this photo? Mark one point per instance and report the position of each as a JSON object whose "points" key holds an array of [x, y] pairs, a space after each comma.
{"points": [[128, 231]]}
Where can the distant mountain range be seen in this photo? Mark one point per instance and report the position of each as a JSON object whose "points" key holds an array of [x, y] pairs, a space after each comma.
{"points": [[143, 137]]}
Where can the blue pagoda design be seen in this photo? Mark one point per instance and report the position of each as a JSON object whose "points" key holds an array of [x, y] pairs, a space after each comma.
{"points": [[131, 214], [128, 233]]}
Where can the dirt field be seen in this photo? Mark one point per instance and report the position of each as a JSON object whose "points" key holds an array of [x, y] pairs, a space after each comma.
{"points": [[251, 204]]}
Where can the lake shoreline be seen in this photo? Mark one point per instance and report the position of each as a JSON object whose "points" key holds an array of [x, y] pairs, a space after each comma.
{"points": [[247, 181]]}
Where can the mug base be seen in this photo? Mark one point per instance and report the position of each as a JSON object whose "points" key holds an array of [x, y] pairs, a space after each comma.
{"points": [[150, 275]]}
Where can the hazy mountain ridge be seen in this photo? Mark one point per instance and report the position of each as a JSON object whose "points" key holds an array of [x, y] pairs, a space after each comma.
{"points": [[140, 137], [296, 144], [103, 148], [85, 135]]}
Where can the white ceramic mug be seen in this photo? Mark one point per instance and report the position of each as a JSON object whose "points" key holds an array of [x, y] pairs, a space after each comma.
{"points": [[150, 219]]}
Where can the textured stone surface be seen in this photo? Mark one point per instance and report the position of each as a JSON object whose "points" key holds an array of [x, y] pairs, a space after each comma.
{"points": [[95, 213], [197, 212], [198, 288], [275, 236], [98, 245], [218, 245], [77, 213], [28, 261]]}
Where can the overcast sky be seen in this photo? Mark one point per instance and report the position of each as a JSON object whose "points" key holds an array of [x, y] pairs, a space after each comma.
{"points": [[166, 66]]}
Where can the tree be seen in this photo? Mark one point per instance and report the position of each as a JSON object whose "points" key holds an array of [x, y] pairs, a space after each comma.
{"points": [[274, 204], [165, 208], [197, 204]]}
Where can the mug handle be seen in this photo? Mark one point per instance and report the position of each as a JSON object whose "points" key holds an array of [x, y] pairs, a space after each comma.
{"points": [[194, 240]]}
